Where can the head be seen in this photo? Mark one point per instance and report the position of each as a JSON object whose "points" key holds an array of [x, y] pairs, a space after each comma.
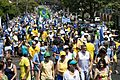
{"points": [[34, 44], [101, 64], [83, 48], [9, 61], [72, 65], [66, 48], [42, 50], [1, 65], [47, 56], [102, 52], [62, 55]]}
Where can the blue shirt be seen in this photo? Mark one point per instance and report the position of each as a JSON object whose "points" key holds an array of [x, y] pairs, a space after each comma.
{"points": [[24, 49], [1, 48]]}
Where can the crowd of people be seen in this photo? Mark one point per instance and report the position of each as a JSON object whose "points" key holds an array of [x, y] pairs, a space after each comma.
{"points": [[56, 49]]}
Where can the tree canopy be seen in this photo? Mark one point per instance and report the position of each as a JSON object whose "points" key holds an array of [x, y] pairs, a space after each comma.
{"points": [[14, 8]]}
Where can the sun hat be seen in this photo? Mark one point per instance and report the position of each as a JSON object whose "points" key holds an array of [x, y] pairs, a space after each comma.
{"points": [[62, 53]]}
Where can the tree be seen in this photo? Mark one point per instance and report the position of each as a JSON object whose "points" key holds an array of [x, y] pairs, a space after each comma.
{"points": [[16, 7], [7, 8]]}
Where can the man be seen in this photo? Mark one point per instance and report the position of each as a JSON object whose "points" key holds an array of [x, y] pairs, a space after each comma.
{"points": [[84, 63], [90, 48], [71, 73], [37, 59], [33, 49], [69, 55]]}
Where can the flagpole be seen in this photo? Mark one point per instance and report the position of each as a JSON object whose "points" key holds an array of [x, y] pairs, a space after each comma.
{"points": [[0, 22]]}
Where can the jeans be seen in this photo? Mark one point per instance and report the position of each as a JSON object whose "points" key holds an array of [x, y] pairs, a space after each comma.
{"points": [[59, 77], [85, 75]]}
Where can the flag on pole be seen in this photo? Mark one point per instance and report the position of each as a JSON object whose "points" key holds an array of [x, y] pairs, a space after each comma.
{"points": [[101, 34], [43, 12]]}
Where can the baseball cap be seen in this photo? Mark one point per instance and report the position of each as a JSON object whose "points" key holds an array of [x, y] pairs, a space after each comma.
{"points": [[66, 47], [36, 38], [62, 53], [43, 50], [47, 54], [73, 62]]}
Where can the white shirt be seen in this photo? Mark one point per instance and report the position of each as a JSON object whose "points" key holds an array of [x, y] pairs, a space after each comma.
{"points": [[68, 76], [84, 60], [69, 56]]}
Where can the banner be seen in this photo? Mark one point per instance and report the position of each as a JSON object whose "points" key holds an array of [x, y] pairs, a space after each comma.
{"points": [[43, 12]]}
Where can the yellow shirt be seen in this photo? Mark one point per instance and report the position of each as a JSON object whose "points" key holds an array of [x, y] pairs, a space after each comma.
{"points": [[47, 70], [35, 32], [62, 66], [23, 64], [28, 37], [117, 44], [75, 50], [90, 49], [44, 35], [33, 51], [68, 29], [79, 43]]}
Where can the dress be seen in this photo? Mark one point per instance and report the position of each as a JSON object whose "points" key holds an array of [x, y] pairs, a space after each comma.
{"points": [[103, 74], [24, 62], [9, 72]]}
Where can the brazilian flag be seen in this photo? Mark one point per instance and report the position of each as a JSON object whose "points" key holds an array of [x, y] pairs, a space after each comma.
{"points": [[44, 13]]}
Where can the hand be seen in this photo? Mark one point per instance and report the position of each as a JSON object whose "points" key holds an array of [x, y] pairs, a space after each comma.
{"points": [[79, 69], [90, 68]]}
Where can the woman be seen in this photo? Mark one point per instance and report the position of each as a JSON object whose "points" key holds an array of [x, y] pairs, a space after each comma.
{"points": [[2, 75], [47, 68], [24, 68], [61, 65], [71, 73], [102, 71], [10, 69], [102, 55]]}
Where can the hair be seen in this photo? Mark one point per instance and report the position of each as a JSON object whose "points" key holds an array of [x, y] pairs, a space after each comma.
{"points": [[101, 61], [101, 51], [69, 63], [83, 45], [9, 59], [1, 65]]}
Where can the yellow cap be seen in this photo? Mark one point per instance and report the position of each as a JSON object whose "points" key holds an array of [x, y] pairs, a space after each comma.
{"points": [[62, 53]]}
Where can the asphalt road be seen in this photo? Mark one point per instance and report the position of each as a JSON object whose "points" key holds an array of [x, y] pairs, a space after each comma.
{"points": [[114, 76]]}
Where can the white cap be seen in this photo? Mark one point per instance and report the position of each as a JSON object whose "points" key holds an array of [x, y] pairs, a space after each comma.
{"points": [[66, 46], [36, 38]]}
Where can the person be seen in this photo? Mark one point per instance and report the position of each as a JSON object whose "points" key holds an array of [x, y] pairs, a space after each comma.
{"points": [[47, 68], [102, 71], [2, 75], [72, 73], [102, 54], [24, 68], [84, 63], [90, 48], [7, 42], [33, 49], [10, 69], [61, 65], [69, 55], [37, 59]]}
